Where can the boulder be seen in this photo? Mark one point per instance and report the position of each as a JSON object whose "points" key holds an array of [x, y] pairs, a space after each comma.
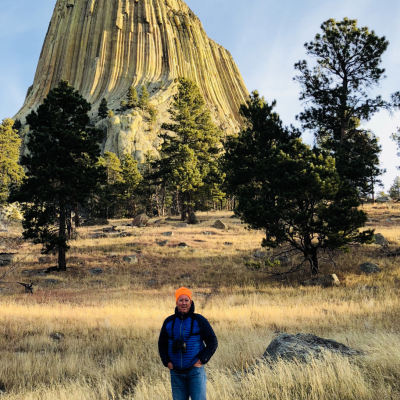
{"points": [[168, 234], [95, 271], [209, 233], [323, 281], [163, 243], [305, 347], [141, 221], [7, 259], [383, 199], [380, 240], [369, 268], [182, 225], [193, 220], [133, 259], [218, 224], [100, 236], [183, 246]]}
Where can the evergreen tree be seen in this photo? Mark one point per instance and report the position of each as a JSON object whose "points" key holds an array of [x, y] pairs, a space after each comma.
{"points": [[109, 192], [61, 167], [103, 109], [144, 99], [10, 172], [131, 178], [191, 148], [132, 98], [394, 192], [17, 125], [292, 192], [348, 65]]}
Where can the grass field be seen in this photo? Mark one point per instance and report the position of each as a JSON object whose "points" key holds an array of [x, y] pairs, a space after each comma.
{"points": [[84, 336]]}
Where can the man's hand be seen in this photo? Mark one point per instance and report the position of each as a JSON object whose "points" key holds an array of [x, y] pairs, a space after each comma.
{"points": [[198, 364], [170, 366]]}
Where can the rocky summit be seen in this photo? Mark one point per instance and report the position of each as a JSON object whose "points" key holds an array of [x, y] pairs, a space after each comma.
{"points": [[102, 47]]}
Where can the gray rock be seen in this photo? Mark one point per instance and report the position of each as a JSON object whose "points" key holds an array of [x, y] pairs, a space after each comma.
{"points": [[383, 199], [218, 224], [96, 271], [183, 246], [228, 244], [163, 243], [57, 336], [141, 221], [369, 268], [323, 281], [125, 234], [380, 240], [168, 234], [99, 236], [209, 233], [260, 254], [305, 347], [131, 259], [51, 281], [7, 259], [182, 225]]}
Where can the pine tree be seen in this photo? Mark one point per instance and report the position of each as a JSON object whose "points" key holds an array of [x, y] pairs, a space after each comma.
{"points": [[103, 109], [132, 98], [11, 172], [17, 125], [144, 99], [191, 149], [394, 192], [337, 90], [61, 167], [291, 191], [109, 192], [131, 178]]}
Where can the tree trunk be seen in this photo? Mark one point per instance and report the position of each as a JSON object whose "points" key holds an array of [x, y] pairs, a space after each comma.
{"points": [[62, 262], [314, 263], [77, 222]]}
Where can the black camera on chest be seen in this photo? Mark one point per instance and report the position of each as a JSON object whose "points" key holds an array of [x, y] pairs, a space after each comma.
{"points": [[179, 344]]}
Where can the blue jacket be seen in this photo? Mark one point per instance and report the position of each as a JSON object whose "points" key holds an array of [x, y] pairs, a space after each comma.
{"points": [[196, 331]]}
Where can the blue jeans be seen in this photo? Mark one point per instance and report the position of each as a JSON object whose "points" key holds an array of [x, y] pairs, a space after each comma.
{"points": [[193, 384]]}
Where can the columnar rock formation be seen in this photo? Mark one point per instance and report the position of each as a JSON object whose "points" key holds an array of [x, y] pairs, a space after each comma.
{"points": [[104, 46]]}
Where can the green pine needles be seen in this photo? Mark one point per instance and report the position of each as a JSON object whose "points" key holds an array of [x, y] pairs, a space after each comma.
{"points": [[61, 168]]}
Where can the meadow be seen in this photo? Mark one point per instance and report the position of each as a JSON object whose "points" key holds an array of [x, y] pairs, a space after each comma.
{"points": [[85, 336]]}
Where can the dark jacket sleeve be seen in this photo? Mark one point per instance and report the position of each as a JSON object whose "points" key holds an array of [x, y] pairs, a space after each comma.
{"points": [[209, 338], [163, 344]]}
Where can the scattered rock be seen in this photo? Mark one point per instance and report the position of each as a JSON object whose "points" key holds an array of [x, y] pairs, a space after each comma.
{"points": [[131, 259], [183, 246], [7, 259], [108, 230], [369, 268], [260, 254], [193, 220], [168, 234], [159, 222], [96, 271], [99, 236], [380, 240], [323, 281], [383, 199], [186, 276], [182, 225], [228, 244], [57, 336], [51, 281], [163, 243], [125, 234], [208, 233], [305, 347], [218, 224], [141, 221]]}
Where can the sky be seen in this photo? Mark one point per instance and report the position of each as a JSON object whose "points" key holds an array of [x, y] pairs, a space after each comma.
{"points": [[265, 38]]}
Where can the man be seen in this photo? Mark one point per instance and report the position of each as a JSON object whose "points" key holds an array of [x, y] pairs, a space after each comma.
{"points": [[187, 342]]}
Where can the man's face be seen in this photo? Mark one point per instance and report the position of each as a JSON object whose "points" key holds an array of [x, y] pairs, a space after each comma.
{"points": [[183, 304]]}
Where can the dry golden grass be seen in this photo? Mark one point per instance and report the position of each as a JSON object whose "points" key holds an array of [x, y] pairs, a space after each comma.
{"points": [[108, 346]]}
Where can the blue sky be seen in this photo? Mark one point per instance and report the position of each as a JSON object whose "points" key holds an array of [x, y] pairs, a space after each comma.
{"points": [[265, 38]]}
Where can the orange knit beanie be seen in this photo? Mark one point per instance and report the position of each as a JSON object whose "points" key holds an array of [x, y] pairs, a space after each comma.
{"points": [[182, 291]]}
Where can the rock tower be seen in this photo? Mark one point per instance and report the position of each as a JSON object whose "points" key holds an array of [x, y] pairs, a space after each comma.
{"points": [[102, 47]]}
